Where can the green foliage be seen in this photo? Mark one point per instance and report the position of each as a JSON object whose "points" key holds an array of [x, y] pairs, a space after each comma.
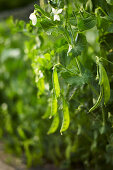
{"points": [[21, 130]]}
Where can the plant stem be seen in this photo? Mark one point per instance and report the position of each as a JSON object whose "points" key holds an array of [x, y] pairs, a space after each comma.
{"points": [[103, 115], [106, 60]]}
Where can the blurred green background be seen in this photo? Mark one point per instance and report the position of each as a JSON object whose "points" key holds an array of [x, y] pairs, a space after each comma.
{"points": [[11, 4]]}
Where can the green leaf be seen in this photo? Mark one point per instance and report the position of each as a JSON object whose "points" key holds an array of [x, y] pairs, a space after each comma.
{"points": [[77, 80], [47, 24], [64, 32], [72, 66], [73, 21], [66, 117], [54, 124], [86, 23], [80, 45], [39, 9], [56, 83]]}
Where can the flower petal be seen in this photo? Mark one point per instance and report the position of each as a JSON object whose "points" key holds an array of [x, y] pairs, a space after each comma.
{"points": [[59, 11], [34, 21], [54, 11], [56, 17], [33, 18]]}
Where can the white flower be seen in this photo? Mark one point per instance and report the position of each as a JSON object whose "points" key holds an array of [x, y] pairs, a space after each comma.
{"points": [[69, 49], [33, 18], [56, 12], [40, 74]]}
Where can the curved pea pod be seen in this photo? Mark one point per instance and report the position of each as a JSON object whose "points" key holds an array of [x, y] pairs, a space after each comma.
{"points": [[66, 117], [106, 86], [56, 83], [105, 82], [54, 124], [53, 106], [98, 101]]}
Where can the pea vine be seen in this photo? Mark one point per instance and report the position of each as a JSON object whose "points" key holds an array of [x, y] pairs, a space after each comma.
{"points": [[71, 50]]}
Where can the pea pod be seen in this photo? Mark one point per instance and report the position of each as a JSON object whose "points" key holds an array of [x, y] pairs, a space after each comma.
{"points": [[98, 101], [56, 83], [53, 106], [66, 118], [100, 74], [41, 86], [54, 124], [106, 86], [105, 82], [47, 113]]}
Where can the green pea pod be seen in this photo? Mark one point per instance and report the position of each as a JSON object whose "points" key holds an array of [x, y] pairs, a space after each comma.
{"points": [[54, 124], [100, 74], [105, 82], [53, 106], [41, 86], [66, 118], [106, 86], [56, 83], [98, 101]]}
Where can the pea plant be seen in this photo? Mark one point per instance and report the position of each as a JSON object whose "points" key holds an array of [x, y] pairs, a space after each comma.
{"points": [[70, 45], [70, 51]]}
